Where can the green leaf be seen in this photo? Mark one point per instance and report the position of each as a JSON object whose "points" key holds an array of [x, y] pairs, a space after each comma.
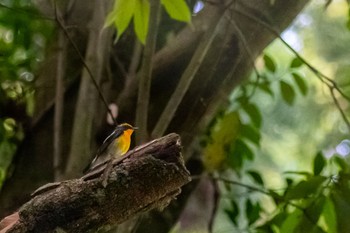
{"points": [[342, 209], [250, 133], [279, 218], [266, 228], [305, 188], [121, 15], [311, 216], [296, 62], [245, 149], [254, 114], [233, 212], [235, 158], [300, 83], [256, 177], [269, 63], [252, 211], [329, 216], [287, 92], [141, 18], [319, 163], [348, 22], [340, 161], [315, 208], [177, 9], [291, 222], [265, 87], [236, 155]]}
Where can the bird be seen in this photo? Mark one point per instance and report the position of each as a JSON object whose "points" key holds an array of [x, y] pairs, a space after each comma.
{"points": [[114, 146]]}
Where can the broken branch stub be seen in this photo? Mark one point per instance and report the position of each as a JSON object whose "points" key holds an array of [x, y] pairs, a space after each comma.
{"points": [[148, 177]]}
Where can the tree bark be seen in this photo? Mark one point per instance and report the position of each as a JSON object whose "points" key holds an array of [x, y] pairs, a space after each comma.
{"points": [[147, 177]]}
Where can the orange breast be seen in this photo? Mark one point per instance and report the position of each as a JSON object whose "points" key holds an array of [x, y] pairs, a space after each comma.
{"points": [[123, 143]]}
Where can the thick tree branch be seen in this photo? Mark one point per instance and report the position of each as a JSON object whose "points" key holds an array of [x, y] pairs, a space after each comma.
{"points": [[147, 177]]}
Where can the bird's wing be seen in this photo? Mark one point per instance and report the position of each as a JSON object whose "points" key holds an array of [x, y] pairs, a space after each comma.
{"points": [[115, 134]]}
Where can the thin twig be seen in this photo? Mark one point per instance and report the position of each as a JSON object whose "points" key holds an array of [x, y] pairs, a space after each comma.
{"points": [[216, 200], [247, 186], [61, 25], [146, 72], [185, 80], [255, 189], [252, 188], [342, 113], [268, 193], [248, 51]]}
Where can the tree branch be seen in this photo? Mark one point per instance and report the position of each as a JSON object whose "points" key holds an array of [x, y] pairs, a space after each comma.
{"points": [[147, 177], [59, 102], [146, 72], [185, 80]]}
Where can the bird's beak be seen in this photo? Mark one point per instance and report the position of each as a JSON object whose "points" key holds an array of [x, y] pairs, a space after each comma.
{"points": [[135, 128]]}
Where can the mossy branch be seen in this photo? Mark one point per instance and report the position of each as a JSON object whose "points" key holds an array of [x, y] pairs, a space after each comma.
{"points": [[147, 177]]}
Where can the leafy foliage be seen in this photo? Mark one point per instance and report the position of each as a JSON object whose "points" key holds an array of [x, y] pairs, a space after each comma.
{"points": [[319, 163], [308, 198], [219, 142], [288, 93], [124, 10], [141, 19], [296, 63], [300, 83], [121, 15], [312, 204], [269, 63], [177, 9], [24, 35]]}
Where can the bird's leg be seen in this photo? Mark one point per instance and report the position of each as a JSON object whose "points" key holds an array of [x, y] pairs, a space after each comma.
{"points": [[107, 172]]}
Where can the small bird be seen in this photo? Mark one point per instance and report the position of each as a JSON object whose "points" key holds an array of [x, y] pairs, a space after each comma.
{"points": [[115, 145]]}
